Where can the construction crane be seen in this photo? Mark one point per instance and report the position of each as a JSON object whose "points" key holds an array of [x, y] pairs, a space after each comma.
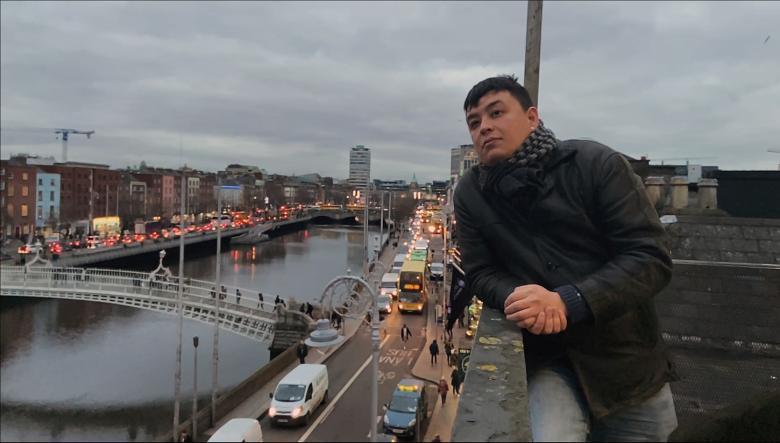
{"points": [[65, 133]]}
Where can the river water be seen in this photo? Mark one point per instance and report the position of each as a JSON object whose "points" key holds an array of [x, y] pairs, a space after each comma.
{"points": [[75, 371]]}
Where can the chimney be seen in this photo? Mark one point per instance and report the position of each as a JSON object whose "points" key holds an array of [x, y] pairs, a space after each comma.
{"points": [[708, 193], [679, 192], [655, 190]]}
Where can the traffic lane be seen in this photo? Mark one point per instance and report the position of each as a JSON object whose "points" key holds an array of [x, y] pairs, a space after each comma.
{"points": [[349, 420], [395, 362], [341, 366]]}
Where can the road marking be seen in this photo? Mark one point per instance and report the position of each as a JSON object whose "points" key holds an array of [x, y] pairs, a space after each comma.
{"points": [[378, 417], [332, 403]]}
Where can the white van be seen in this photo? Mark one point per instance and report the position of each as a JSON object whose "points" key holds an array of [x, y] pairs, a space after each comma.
{"points": [[389, 285], [239, 429], [299, 394], [421, 245], [398, 261]]}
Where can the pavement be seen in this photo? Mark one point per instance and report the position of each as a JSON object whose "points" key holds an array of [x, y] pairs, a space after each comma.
{"points": [[443, 416]]}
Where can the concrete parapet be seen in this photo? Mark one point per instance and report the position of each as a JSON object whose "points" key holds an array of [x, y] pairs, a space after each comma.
{"points": [[494, 401], [679, 192]]}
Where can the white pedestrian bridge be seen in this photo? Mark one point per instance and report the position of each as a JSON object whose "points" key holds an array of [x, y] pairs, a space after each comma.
{"points": [[154, 291]]}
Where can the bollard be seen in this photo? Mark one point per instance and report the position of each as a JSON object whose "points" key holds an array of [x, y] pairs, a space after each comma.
{"points": [[655, 191], [679, 192], [708, 193]]}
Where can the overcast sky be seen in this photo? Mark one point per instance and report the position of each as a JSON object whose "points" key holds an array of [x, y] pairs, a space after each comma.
{"points": [[290, 87]]}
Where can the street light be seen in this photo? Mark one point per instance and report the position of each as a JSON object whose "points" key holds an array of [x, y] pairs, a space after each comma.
{"points": [[346, 296], [195, 391]]}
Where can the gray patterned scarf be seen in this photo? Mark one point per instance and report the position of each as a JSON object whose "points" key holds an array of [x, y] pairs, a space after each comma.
{"points": [[524, 168]]}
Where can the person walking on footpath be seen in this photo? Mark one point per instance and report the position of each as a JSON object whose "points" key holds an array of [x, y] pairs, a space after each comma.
{"points": [[448, 352], [455, 381], [260, 301], [238, 297], [309, 310], [434, 350], [443, 389], [302, 352], [582, 256]]}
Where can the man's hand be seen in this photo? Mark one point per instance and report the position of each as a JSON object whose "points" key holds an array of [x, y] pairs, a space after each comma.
{"points": [[536, 309]]}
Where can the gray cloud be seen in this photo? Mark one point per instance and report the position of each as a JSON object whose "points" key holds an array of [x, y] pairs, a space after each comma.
{"points": [[291, 86]]}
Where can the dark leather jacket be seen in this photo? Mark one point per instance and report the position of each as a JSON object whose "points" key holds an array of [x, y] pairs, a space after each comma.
{"points": [[592, 226]]}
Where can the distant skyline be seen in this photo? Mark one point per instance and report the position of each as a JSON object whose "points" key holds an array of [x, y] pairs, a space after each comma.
{"points": [[292, 87]]}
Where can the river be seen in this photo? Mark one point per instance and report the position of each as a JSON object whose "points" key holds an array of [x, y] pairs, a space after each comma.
{"points": [[76, 371]]}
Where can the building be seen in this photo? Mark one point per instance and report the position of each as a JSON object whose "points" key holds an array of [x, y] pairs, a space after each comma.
{"points": [[236, 169], [168, 192], [359, 166], [456, 159], [391, 185], [193, 194], [17, 198], [469, 160], [47, 204]]}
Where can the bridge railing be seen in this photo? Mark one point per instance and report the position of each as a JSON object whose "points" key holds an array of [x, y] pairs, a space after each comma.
{"points": [[194, 292]]}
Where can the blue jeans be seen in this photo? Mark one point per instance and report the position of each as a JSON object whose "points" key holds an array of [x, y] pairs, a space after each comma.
{"points": [[559, 412]]}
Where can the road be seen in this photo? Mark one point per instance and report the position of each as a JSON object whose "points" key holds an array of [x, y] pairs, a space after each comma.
{"points": [[346, 415]]}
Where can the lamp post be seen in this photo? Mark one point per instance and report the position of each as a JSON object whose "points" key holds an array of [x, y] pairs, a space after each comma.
{"points": [[346, 295], [177, 388], [195, 391]]}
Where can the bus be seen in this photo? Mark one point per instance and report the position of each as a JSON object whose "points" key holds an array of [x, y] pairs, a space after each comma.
{"points": [[418, 256], [412, 296]]}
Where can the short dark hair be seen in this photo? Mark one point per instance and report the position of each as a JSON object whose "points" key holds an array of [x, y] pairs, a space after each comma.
{"points": [[494, 84]]}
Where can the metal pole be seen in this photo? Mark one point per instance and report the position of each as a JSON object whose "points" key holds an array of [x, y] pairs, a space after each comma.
{"points": [[217, 288], [365, 232], [381, 218], [91, 197], [533, 48], [177, 389], [195, 392], [374, 361]]}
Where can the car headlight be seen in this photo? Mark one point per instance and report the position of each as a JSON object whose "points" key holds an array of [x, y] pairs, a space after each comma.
{"points": [[272, 411], [387, 421], [413, 422], [297, 412]]}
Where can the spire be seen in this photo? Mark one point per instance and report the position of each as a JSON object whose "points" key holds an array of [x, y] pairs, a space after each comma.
{"points": [[414, 177]]}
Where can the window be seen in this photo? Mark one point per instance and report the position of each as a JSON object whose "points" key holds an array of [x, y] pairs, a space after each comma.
{"points": [[24, 211], [52, 182], [40, 182], [10, 190], [51, 195], [10, 209], [25, 191], [40, 212], [51, 211], [24, 176], [40, 196]]}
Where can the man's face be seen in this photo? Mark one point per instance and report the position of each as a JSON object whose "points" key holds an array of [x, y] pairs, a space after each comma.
{"points": [[498, 126]]}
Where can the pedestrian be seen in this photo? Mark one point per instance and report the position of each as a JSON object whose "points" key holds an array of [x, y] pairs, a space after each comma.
{"points": [[333, 321], [213, 292], [448, 352], [302, 351], [260, 300], [462, 319], [456, 381], [223, 292], [238, 297], [184, 437], [309, 310], [434, 350], [448, 331], [405, 333], [582, 251], [443, 389]]}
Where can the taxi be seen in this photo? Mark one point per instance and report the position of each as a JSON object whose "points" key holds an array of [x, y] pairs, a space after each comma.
{"points": [[407, 410]]}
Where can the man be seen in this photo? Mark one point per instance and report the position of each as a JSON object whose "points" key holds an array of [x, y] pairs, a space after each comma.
{"points": [[302, 352], [238, 296], [561, 236], [405, 333], [434, 350], [309, 310], [260, 301]]}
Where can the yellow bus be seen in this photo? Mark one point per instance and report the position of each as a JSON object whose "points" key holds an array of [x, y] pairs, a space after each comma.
{"points": [[411, 283]]}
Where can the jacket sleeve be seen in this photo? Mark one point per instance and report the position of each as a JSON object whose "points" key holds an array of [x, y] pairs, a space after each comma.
{"points": [[486, 277], [641, 265]]}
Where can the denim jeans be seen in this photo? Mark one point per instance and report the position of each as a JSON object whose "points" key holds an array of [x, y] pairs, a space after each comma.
{"points": [[559, 412]]}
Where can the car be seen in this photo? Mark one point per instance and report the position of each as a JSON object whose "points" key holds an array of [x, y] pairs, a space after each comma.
{"points": [[407, 410], [29, 248], [239, 429], [437, 271], [385, 304]]}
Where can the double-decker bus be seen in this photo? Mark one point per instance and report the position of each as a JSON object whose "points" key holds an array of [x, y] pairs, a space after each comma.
{"points": [[418, 256], [411, 284]]}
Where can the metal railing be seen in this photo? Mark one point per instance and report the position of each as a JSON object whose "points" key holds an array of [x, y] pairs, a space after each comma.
{"points": [[156, 292]]}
